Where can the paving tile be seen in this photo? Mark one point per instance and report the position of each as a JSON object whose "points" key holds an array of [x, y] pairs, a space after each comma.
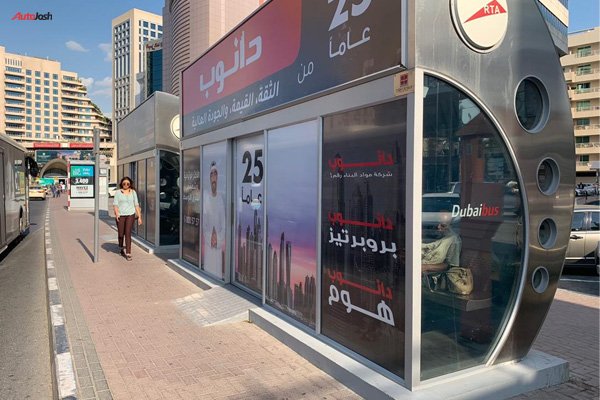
{"points": [[157, 336]]}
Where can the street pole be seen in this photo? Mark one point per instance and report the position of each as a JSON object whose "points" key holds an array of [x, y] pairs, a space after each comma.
{"points": [[96, 192]]}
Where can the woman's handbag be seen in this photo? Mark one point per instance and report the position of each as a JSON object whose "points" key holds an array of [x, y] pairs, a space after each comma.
{"points": [[459, 280]]}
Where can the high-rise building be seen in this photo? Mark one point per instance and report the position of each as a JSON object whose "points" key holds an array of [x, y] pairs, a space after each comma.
{"points": [[39, 102], [130, 31], [582, 73], [191, 27], [556, 14], [153, 75]]}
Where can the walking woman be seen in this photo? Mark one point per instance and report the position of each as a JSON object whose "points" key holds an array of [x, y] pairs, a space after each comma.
{"points": [[127, 210]]}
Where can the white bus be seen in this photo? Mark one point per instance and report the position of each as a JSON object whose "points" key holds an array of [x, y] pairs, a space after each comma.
{"points": [[14, 205]]}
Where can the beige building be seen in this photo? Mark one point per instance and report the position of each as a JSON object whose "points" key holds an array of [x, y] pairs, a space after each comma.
{"points": [[582, 73], [191, 27], [129, 33], [39, 102]]}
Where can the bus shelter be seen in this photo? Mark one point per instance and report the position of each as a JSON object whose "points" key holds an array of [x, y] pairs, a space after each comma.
{"points": [[148, 153], [393, 177]]}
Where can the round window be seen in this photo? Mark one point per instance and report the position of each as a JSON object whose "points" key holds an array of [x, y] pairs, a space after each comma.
{"points": [[547, 233], [548, 176], [531, 104]]}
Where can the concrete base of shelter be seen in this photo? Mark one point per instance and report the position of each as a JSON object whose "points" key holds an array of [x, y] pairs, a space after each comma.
{"points": [[152, 249], [192, 274], [537, 370]]}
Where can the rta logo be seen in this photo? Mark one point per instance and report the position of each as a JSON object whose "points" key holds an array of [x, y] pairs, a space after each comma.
{"points": [[481, 24], [32, 17]]}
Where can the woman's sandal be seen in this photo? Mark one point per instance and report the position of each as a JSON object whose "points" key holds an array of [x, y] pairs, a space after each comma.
{"points": [[128, 257]]}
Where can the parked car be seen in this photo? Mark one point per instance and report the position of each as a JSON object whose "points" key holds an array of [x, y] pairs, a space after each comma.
{"points": [[37, 192], [584, 244], [586, 189], [112, 189]]}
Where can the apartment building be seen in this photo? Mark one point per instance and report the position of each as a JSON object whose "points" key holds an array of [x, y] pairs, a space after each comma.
{"points": [[39, 102], [130, 32], [582, 73]]}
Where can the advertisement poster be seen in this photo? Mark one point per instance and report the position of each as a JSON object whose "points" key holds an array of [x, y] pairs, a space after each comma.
{"points": [[190, 245], [363, 232], [288, 50], [292, 220], [44, 156], [81, 181], [214, 216], [248, 241]]}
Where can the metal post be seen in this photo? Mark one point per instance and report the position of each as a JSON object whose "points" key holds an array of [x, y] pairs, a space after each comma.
{"points": [[96, 192]]}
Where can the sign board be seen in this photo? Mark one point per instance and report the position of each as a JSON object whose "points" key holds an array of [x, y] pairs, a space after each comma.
{"points": [[81, 181], [288, 50], [44, 156]]}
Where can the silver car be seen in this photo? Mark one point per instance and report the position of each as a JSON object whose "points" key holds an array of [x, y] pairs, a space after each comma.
{"points": [[584, 244]]}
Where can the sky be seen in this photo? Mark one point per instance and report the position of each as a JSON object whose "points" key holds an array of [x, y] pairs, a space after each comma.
{"points": [[79, 34]]}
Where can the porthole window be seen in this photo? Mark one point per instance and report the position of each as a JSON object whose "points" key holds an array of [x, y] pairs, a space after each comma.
{"points": [[548, 176], [547, 233], [540, 279], [531, 104]]}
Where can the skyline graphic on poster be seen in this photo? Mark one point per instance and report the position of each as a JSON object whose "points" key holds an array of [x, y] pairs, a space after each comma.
{"points": [[249, 249], [292, 220]]}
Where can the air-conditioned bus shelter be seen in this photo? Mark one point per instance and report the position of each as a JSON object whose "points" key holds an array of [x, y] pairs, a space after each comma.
{"points": [[148, 153], [337, 155]]}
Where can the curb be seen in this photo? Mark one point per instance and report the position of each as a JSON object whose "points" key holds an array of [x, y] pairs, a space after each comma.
{"points": [[63, 361]]}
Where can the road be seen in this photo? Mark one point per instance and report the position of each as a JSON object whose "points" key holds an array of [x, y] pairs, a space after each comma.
{"points": [[25, 369], [581, 280]]}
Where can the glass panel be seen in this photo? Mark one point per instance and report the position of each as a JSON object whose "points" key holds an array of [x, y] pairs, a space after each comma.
{"points": [[363, 232], [150, 219], [214, 218], [133, 177], [478, 227], [594, 221], [190, 246], [578, 223], [169, 198], [292, 220], [141, 191], [249, 249]]}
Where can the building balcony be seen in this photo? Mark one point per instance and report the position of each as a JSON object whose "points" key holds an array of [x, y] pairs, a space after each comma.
{"points": [[14, 78], [581, 58], [67, 95], [15, 86], [14, 70], [15, 112], [13, 95], [584, 94], [585, 76], [587, 112], [587, 148], [587, 130], [15, 128], [15, 120], [69, 101]]}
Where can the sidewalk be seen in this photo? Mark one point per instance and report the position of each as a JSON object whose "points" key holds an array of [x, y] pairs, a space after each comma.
{"points": [[138, 330], [572, 332]]}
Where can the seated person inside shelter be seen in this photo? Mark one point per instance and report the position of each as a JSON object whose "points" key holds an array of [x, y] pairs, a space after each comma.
{"points": [[443, 253]]}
